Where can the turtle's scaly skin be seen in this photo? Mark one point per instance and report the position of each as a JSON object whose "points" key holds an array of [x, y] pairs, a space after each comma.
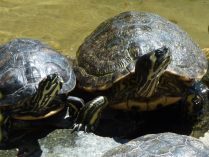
{"points": [[161, 145], [113, 57]]}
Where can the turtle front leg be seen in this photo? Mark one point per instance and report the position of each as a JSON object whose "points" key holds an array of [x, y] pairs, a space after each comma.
{"points": [[149, 69], [75, 104], [90, 114]]}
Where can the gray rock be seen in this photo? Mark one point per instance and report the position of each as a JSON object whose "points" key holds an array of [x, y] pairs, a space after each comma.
{"points": [[61, 143]]}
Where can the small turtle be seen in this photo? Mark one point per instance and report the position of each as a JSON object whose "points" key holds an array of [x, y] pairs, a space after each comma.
{"points": [[140, 61], [31, 76], [29, 81], [161, 145], [35, 82]]}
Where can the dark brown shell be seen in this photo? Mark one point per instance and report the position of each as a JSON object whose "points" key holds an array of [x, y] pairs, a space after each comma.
{"points": [[161, 145]]}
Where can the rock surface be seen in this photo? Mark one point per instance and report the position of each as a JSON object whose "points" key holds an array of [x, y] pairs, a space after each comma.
{"points": [[61, 143]]}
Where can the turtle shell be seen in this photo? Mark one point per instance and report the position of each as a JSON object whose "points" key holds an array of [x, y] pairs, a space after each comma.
{"points": [[24, 63], [109, 53], [161, 145]]}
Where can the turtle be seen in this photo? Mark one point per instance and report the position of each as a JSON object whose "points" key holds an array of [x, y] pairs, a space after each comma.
{"points": [[139, 61], [161, 145], [35, 83]]}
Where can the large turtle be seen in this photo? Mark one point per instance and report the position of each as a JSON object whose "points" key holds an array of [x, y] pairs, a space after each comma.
{"points": [[35, 82], [161, 145], [139, 61]]}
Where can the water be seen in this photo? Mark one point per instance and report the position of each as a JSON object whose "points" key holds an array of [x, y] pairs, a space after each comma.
{"points": [[65, 23]]}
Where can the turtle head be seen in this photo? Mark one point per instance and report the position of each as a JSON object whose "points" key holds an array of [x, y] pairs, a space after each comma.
{"points": [[159, 60], [48, 88], [149, 68]]}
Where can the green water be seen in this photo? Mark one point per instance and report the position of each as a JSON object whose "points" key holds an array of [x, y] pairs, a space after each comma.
{"points": [[65, 23]]}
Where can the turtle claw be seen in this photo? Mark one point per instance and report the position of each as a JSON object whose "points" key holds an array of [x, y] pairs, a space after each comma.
{"points": [[79, 127], [85, 128], [76, 127]]}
